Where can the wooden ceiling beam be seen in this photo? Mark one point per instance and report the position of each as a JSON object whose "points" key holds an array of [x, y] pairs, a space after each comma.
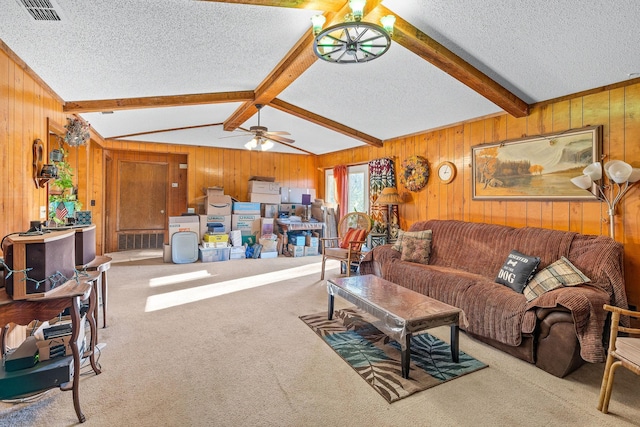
{"points": [[292, 66], [156, 101], [324, 5], [430, 50], [324, 122]]}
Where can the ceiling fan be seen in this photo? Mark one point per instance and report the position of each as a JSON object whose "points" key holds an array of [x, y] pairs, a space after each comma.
{"points": [[262, 137]]}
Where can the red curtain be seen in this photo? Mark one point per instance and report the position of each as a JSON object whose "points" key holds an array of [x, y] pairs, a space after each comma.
{"points": [[341, 176]]}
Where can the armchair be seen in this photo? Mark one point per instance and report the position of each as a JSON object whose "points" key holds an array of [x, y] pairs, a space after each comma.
{"points": [[347, 247], [625, 349]]}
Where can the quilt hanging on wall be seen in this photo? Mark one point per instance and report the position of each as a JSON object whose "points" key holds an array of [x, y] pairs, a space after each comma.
{"points": [[382, 174]]}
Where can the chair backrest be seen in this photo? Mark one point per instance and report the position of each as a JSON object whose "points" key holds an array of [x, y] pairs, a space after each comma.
{"points": [[358, 220]]}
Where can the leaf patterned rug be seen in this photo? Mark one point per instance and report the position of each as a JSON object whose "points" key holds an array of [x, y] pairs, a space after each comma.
{"points": [[376, 357]]}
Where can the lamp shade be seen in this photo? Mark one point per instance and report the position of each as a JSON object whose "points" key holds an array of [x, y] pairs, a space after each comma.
{"points": [[594, 171], [583, 181], [635, 175], [389, 196], [618, 171]]}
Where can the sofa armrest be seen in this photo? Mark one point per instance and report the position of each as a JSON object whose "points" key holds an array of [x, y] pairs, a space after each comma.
{"points": [[375, 260], [557, 346]]}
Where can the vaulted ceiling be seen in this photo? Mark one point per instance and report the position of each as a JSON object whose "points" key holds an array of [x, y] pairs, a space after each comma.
{"points": [[191, 72]]}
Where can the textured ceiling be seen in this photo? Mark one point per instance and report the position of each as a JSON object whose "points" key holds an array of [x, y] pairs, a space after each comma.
{"points": [[118, 49]]}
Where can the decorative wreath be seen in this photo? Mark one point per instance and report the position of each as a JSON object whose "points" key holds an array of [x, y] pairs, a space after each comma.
{"points": [[415, 173]]}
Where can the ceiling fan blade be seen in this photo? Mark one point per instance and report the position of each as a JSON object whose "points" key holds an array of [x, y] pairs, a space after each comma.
{"points": [[278, 132], [236, 136], [280, 139]]}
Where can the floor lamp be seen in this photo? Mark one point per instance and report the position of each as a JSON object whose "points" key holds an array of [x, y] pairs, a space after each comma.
{"points": [[390, 197], [621, 177]]}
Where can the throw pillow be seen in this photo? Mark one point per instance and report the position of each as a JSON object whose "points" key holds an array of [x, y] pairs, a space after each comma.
{"points": [[424, 234], [416, 249], [353, 235], [517, 270], [348, 237], [560, 273]]}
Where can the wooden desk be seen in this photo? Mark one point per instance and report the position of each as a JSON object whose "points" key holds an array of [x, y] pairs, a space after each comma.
{"points": [[70, 294]]}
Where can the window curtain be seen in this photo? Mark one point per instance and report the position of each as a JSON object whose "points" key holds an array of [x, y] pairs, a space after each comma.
{"points": [[381, 175], [341, 176]]}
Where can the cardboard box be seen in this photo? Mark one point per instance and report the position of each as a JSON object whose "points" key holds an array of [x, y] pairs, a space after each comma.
{"points": [[183, 223], [297, 240], [264, 187], [216, 238], [312, 241], [310, 250], [249, 223], [225, 220], [208, 245], [219, 204], [269, 210], [246, 208], [248, 239], [264, 254], [267, 226], [213, 254], [215, 191], [237, 252], [45, 346], [264, 198], [295, 250]]}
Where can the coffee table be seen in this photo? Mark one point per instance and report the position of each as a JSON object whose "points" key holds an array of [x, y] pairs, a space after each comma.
{"points": [[401, 312]]}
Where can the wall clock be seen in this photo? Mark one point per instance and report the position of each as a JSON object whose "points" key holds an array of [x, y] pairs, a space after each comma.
{"points": [[415, 173], [446, 172]]}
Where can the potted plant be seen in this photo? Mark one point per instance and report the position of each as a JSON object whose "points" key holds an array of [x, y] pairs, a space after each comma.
{"points": [[62, 190]]}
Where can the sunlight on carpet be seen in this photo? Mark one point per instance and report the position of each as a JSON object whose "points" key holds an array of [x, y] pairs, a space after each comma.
{"points": [[186, 296], [178, 278]]}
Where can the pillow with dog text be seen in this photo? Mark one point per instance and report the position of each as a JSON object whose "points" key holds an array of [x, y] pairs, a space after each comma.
{"points": [[517, 270]]}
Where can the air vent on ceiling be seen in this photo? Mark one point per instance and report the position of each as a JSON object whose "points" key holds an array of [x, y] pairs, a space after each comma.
{"points": [[42, 10]]}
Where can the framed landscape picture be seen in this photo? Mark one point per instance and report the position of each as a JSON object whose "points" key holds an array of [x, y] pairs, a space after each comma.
{"points": [[536, 168]]}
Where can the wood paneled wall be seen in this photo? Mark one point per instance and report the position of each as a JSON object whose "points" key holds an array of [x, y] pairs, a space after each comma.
{"points": [[25, 105], [618, 110], [231, 169]]}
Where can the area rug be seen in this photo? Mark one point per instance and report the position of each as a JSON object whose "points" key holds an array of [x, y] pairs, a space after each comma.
{"points": [[376, 357]]}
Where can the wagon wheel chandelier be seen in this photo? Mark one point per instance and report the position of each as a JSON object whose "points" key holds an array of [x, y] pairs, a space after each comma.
{"points": [[352, 41]]}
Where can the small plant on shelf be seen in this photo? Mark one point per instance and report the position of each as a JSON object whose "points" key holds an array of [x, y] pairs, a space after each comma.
{"points": [[62, 190]]}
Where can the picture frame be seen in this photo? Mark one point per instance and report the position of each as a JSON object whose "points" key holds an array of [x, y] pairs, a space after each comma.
{"points": [[536, 168]]}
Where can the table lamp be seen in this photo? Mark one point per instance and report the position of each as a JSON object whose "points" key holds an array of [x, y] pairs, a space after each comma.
{"points": [[390, 197], [306, 202]]}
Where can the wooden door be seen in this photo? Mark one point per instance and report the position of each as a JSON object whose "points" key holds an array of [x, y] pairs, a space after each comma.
{"points": [[142, 203]]}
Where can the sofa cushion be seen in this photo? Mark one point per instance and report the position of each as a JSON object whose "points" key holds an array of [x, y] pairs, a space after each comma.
{"points": [[423, 234], [416, 249], [560, 273], [517, 270]]}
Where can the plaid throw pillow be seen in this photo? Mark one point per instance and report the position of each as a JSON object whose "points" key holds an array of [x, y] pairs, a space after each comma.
{"points": [[416, 249], [560, 273]]}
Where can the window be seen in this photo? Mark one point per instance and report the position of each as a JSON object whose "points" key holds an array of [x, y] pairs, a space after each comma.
{"points": [[358, 197]]}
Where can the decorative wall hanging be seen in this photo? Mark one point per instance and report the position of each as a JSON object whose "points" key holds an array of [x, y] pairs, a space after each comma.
{"points": [[77, 132], [382, 174], [415, 173], [535, 168]]}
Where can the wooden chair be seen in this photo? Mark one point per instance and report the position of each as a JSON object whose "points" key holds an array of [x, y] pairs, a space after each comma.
{"points": [[353, 229], [625, 349]]}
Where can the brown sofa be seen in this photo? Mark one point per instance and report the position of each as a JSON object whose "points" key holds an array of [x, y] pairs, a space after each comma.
{"points": [[557, 331]]}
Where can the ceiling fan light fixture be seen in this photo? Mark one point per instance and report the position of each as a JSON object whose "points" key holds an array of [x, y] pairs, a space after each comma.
{"points": [[266, 145], [251, 144], [352, 41]]}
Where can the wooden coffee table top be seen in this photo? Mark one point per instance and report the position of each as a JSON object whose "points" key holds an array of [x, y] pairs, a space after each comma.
{"points": [[404, 310]]}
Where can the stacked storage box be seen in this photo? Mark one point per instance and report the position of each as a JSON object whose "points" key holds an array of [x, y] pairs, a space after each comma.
{"points": [[215, 227], [264, 190]]}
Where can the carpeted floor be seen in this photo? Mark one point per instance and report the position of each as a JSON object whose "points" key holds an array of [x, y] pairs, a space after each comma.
{"points": [[221, 344], [377, 359]]}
